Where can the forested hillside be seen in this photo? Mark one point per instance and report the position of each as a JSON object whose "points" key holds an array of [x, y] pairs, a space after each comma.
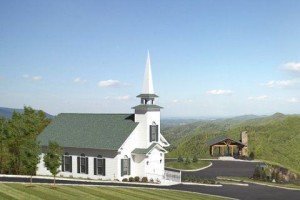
{"points": [[274, 138]]}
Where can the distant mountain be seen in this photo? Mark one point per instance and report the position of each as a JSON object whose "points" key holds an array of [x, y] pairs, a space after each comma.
{"points": [[7, 112], [274, 138]]}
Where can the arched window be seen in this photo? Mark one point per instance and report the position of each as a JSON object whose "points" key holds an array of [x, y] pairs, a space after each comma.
{"points": [[66, 165], [99, 165], [125, 166], [82, 164], [153, 132]]}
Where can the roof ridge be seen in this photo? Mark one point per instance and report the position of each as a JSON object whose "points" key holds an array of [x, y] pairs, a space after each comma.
{"points": [[99, 113]]}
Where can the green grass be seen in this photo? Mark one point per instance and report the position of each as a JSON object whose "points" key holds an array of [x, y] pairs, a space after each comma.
{"points": [[190, 166], [11, 191], [248, 180]]}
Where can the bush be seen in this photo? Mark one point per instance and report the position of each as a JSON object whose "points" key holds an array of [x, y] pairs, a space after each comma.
{"points": [[251, 156], [131, 179], [180, 159], [151, 180], [195, 159], [137, 179], [144, 179], [187, 161], [124, 180]]}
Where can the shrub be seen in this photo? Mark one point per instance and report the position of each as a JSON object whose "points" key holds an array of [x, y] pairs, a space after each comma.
{"points": [[124, 180], [180, 159], [251, 156], [151, 180], [195, 159], [144, 179], [187, 160], [137, 179], [131, 179]]}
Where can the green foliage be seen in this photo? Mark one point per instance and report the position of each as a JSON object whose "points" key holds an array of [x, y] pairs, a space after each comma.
{"points": [[187, 161], [131, 179], [180, 159], [30, 156], [251, 156], [52, 158], [275, 138], [195, 159], [15, 136], [137, 179], [125, 180], [144, 179]]}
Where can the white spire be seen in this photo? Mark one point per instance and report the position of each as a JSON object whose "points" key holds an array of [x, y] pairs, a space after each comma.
{"points": [[148, 83]]}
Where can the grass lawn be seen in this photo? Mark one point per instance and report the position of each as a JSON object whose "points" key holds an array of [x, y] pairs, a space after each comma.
{"points": [[184, 166], [248, 180], [43, 191]]}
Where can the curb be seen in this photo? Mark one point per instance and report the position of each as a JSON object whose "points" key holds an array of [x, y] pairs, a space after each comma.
{"points": [[202, 184], [194, 170]]}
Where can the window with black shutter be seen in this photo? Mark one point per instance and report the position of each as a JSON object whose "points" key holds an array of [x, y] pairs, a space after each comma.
{"points": [[82, 164], [66, 163], [99, 166], [154, 133]]}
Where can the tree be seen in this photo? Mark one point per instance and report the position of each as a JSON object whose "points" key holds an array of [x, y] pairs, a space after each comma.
{"points": [[180, 159], [30, 157], [4, 156], [52, 159]]}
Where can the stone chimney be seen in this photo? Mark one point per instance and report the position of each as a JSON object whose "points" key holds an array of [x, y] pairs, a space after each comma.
{"points": [[244, 140]]}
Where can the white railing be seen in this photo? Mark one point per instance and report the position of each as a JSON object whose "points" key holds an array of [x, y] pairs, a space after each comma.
{"points": [[173, 175]]}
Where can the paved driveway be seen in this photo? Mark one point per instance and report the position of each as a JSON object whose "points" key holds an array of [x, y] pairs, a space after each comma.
{"points": [[240, 192], [225, 168]]}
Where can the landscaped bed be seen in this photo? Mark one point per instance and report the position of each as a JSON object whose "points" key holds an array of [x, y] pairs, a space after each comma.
{"points": [[45, 191]]}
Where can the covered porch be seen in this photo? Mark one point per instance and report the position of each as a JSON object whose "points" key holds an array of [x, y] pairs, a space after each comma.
{"points": [[225, 146]]}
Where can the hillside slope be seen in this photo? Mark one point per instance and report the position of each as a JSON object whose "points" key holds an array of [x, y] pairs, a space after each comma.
{"points": [[8, 112], [275, 138]]}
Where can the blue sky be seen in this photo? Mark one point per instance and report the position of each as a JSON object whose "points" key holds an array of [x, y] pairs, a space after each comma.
{"points": [[209, 58]]}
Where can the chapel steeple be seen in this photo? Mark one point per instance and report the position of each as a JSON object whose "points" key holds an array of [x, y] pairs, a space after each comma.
{"points": [[147, 96]]}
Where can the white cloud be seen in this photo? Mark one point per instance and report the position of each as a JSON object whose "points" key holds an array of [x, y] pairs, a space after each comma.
{"points": [[185, 101], [79, 80], [109, 83], [293, 100], [36, 78], [33, 78], [282, 83], [258, 98], [292, 66], [220, 92]]}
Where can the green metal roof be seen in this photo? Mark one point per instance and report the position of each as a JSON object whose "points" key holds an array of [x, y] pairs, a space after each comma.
{"points": [[145, 151], [97, 131], [147, 96], [147, 107]]}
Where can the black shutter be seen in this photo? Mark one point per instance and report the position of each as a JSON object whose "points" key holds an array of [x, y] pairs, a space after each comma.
{"points": [[71, 160], [156, 129], [95, 166], [150, 136], [78, 164], [122, 167], [128, 166], [103, 167], [62, 163], [87, 165]]}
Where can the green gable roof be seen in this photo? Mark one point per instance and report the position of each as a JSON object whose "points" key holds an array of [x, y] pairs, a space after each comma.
{"points": [[97, 131], [145, 151]]}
